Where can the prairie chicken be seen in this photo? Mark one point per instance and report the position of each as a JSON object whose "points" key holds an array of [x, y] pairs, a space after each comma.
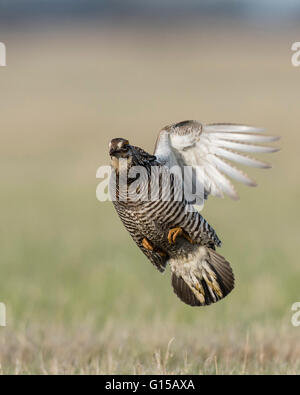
{"points": [[170, 230]]}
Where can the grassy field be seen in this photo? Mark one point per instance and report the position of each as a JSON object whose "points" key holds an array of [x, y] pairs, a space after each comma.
{"points": [[80, 297]]}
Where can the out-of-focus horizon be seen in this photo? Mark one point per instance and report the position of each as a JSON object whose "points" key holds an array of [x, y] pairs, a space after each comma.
{"points": [[265, 12], [80, 296]]}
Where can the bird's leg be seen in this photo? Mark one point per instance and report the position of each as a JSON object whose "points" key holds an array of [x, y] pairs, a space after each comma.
{"points": [[175, 232], [160, 252], [149, 246], [186, 236]]}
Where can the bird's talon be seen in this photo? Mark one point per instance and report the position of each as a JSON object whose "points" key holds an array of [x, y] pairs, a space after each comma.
{"points": [[187, 237], [173, 233], [147, 244]]}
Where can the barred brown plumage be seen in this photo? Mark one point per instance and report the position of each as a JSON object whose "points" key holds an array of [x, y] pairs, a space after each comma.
{"points": [[157, 206]]}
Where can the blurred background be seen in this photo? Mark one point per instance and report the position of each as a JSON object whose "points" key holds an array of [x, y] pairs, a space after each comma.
{"points": [[80, 296]]}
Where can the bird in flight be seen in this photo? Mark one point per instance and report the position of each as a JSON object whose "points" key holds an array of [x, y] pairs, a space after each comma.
{"points": [[157, 198]]}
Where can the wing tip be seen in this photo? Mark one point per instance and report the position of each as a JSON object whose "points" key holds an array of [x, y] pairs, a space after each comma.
{"points": [[276, 138], [274, 149], [266, 166]]}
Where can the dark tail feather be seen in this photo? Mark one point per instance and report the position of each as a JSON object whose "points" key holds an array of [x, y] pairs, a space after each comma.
{"points": [[209, 281], [183, 291]]}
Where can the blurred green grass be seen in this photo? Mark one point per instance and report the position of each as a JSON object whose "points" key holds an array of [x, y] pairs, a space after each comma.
{"points": [[70, 275]]}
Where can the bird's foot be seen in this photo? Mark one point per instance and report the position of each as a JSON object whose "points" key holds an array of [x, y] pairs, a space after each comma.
{"points": [[150, 247], [175, 232], [147, 244], [188, 238]]}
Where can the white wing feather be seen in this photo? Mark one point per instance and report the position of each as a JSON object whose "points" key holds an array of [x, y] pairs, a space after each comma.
{"points": [[208, 148]]}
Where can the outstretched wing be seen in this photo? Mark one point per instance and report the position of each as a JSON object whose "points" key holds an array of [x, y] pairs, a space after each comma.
{"points": [[207, 149]]}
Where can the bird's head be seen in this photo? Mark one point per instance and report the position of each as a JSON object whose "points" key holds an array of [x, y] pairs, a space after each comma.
{"points": [[122, 153], [120, 148]]}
